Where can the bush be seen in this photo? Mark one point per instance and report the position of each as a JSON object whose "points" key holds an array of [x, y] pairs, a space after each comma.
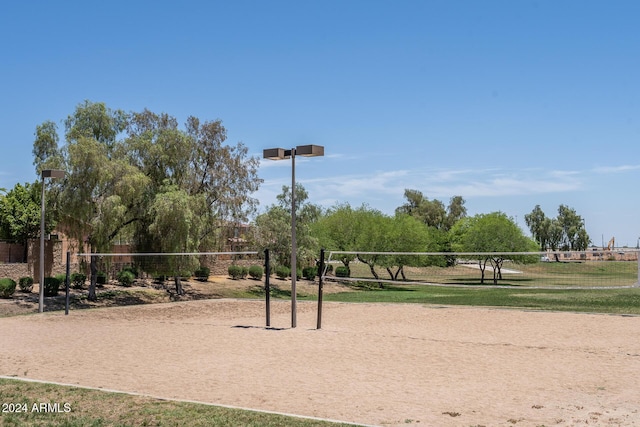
{"points": [[310, 273], [282, 271], [51, 286], [256, 272], [237, 272], [78, 280], [126, 277], [26, 284], [7, 287], [101, 278], [132, 269], [202, 273], [342, 271]]}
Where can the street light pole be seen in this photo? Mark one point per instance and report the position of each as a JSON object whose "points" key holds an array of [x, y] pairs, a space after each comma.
{"points": [[47, 173], [294, 244], [280, 154]]}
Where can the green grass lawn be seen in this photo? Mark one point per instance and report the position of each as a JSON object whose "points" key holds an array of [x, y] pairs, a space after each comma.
{"points": [[539, 274], [615, 301], [94, 408], [566, 286]]}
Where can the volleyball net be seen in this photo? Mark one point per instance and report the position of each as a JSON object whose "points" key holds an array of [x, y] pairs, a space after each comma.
{"points": [[123, 267], [566, 270]]}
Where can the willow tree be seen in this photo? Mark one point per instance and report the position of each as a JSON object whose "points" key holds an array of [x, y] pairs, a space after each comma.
{"points": [[176, 228], [120, 165]]}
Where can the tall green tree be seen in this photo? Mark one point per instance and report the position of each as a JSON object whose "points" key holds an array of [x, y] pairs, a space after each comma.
{"points": [[20, 214], [273, 228], [367, 232], [433, 212], [565, 232], [119, 165], [338, 230], [177, 228], [496, 235]]}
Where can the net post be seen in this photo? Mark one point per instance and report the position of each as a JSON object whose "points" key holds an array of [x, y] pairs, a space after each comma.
{"points": [[638, 260], [320, 283], [66, 303], [267, 270]]}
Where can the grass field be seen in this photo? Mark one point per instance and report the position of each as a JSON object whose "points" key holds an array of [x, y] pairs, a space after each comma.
{"points": [[613, 301], [539, 274], [592, 287], [94, 408]]}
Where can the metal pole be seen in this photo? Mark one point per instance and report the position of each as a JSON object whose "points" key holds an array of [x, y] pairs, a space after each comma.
{"points": [[41, 290], [294, 269], [320, 274], [267, 289], [66, 304], [638, 258]]}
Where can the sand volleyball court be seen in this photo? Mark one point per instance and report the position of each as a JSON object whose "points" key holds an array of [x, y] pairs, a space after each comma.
{"points": [[376, 364]]}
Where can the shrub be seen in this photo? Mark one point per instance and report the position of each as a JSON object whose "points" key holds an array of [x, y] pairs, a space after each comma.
{"points": [[26, 284], [237, 272], [256, 272], [132, 269], [62, 278], [282, 271], [51, 286], [342, 271], [7, 287], [202, 273], [101, 278], [126, 277], [310, 273], [298, 273], [78, 280]]}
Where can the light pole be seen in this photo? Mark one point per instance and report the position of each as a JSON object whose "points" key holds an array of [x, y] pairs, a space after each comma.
{"points": [[47, 173], [280, 154]]}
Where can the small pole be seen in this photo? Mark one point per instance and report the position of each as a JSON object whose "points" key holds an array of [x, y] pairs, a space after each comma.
{"points": [[267, 289], [66, 304], [320, 275]]}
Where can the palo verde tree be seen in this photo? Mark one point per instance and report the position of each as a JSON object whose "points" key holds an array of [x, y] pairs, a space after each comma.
{"points": [[407, 234], [368, 232], [496, 235], [337, 229], [120, 167]]}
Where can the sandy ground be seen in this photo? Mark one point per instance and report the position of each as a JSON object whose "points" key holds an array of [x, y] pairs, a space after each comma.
{"points": [[385, 364]]}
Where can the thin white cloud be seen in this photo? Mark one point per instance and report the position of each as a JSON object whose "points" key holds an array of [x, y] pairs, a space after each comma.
{"points": [[616, 169], [446, 183]]}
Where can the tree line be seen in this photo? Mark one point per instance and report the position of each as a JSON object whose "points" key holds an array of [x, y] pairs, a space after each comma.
{"points": [[141, 178]]}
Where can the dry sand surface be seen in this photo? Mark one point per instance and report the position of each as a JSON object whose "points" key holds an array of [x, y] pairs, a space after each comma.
{"points": [[382, 364]]}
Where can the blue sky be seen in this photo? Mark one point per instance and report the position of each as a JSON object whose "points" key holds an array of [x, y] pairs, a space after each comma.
{"points": [[509, 104]]}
